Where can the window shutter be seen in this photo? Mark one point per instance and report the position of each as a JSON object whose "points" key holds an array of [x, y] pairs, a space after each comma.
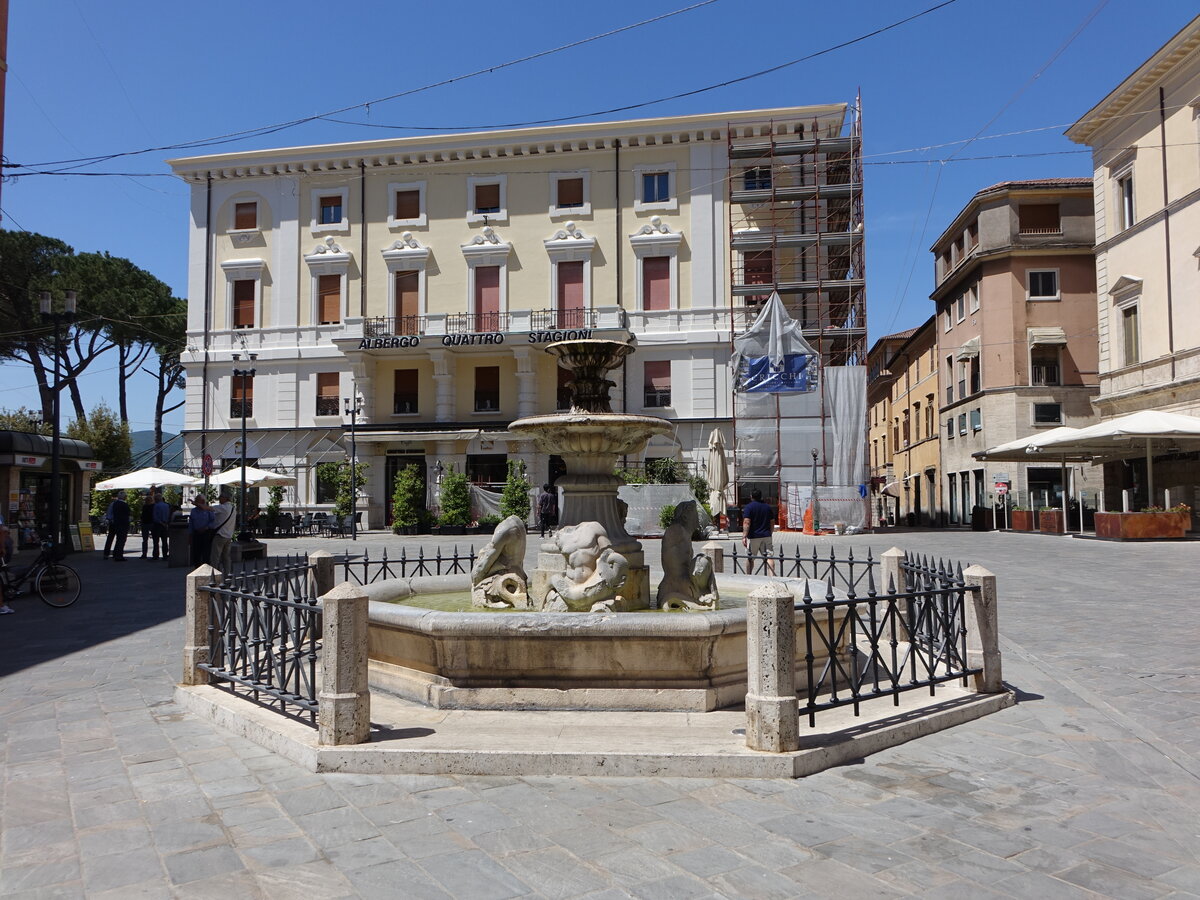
{"points": [[570, 294], [656, 282], [487, 297], [407, 302], [243, 303], [408, 204], [245, 216], [329, 290], [570, 192], [487, 198]]}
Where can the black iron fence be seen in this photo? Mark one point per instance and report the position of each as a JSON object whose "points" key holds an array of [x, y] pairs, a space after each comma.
{"points": [[847, 573], [363, 569], [265, 635], [911, 636]]}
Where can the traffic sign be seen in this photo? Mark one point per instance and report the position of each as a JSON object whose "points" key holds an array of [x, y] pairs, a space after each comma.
{"points": [[1002, 488], [206, 465]]}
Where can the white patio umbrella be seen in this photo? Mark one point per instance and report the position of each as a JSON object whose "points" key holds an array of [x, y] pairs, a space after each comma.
{"points": [[255, 477], [144, 478], [717, 472]]}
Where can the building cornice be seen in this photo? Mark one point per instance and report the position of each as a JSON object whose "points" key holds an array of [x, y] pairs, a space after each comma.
{"points": [[1063, 187], [490, 146], [975, 262], [1118, 102]]}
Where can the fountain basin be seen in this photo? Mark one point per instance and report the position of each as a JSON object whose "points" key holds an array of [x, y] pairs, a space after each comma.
{"points": [[693, 661]]}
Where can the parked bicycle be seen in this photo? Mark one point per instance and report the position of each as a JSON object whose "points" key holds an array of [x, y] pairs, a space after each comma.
{"points": [[55, 582]]}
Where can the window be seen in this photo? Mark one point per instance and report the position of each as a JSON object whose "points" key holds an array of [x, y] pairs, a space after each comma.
{"points": [[404, 392], [905, 429], [960, 307], [758, 267], [1038, 218], [407, 206], [929, 426], [950, 428], [657, 383], [563, 392], [896, 434], [241, 397], [326, 486], [947, 319], [973, 293], [1047, 414], [570, 193], [487, 199], [330, 210], [964, 368], [962, 423], [569, 302], [656, 187], [243, 303], [1043, 366], [1125, 211], [245, 215], [949, 377], [329, 299], [328, 393], [973, 374], [1043, 284], [976, 419], [487, 298], [952, 496], [757, 179], [408, 302], [656, 282], [1130, 343], [973, 235], [487, 388]]}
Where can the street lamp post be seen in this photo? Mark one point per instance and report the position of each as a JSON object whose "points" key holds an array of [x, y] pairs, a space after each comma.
{"points": [[243, 374], [353, 408], [57, 319]]}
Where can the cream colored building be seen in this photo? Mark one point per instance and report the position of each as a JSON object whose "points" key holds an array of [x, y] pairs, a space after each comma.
{"points": [[1144, 138], [880, 445], [914, 427], [426, 276]]}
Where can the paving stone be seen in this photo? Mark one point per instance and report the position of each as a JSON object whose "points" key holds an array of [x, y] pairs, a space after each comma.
{"points": [[707, 861], [197, 864], [114, 870], [287, 852], [472, 874], [386, 881], [553, 872]]}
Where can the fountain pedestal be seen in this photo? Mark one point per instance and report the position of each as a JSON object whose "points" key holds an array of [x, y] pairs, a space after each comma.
{"points": [[589, 439]]}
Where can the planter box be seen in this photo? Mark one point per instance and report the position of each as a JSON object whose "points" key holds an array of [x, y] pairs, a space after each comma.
{"points": [[1142, 526], [1051, 522], [1022, 520]]}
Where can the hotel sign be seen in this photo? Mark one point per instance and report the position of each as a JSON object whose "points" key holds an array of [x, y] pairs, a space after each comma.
{"points": [[400, 342]]}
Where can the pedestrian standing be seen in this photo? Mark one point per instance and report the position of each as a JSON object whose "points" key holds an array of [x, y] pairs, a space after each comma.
{"points": [[160, 517], [147, 520], [200, 530], [120, 525], [547, 507], [224, 521], [5, 558], [757, 524], [109, 534]]}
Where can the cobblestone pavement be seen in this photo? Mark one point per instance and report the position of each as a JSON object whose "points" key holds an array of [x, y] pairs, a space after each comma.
{"points": [[1089, 786]]}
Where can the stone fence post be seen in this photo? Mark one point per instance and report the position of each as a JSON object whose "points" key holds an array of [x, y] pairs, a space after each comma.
{"points": [[196, 620], [320, 573], [983, 633], [344, 703], [891, 578], [772, 712], [716, 555]]}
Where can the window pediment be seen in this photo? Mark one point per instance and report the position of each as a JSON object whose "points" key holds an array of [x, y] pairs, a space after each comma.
{"points": [[405, 253], [1125, 286], [569, 244], [329, 258], [486, 249], [655, 238], [235, 269]]}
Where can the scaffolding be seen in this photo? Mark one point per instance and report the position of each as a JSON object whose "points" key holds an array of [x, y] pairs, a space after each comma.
{"points": [[795, 192]]}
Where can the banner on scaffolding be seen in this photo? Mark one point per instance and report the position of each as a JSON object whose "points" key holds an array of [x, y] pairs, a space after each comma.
{"points": [[772, 356]]}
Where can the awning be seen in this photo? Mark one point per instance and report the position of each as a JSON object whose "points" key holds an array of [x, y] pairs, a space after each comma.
{"points": [[1046, 337], [969, 350]]}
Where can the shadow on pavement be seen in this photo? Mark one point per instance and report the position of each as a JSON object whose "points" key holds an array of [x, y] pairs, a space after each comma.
{"points": [[118, 599]]}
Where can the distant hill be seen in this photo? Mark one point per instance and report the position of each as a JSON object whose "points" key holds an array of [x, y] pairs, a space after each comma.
{"points": [[143, 450]]}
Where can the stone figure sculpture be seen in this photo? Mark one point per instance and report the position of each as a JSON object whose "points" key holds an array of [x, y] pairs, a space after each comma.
{"points": [[688, 581], [498, 579], [595, 573]]}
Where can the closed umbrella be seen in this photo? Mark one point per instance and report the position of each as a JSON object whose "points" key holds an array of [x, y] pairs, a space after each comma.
{"points": [[718, 472], [144, 478]]}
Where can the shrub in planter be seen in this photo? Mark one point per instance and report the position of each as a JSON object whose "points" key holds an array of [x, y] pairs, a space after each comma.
{"points": [[456, 501], [514, 501], [408, 494], [487, 524]]}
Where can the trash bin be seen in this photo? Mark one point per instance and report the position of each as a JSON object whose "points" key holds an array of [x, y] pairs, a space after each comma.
{"points": [[734, 514], [179, 551], [982, 518]]}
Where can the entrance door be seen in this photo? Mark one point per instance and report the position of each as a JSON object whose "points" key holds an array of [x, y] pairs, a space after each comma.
{"points": [[391, 469]]}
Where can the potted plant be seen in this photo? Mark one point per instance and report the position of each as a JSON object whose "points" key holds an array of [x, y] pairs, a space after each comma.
{"points": [[1022, 518], [274, 503], [514, 501], [456, 504], [487, 524], [1050, 520], [1152, 522], [408, 495]]}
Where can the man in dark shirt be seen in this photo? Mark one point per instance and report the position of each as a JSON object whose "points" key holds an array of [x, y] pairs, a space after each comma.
{"points": [[757, 521], [120, 526], [161, 518], [147, 522]]}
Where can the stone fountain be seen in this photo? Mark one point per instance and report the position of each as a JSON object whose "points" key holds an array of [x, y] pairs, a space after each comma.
{"points": [[592, 563]]}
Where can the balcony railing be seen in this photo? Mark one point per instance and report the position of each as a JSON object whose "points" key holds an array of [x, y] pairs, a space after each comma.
{"points": [[556, 319], [239, 408], [474, 323], [386, 326], [327, 406], [657, 398]]}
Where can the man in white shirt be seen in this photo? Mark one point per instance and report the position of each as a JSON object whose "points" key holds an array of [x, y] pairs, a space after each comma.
{"points": [[224, 522]]}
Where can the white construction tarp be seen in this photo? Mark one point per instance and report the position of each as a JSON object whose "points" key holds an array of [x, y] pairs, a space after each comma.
{"points": [[836, 504], [846, 393], [645, 502], [772, 356]]}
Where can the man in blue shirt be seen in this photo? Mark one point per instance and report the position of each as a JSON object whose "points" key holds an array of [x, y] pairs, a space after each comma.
{"points": [[200, 530], [159, 519], [757, 522]]}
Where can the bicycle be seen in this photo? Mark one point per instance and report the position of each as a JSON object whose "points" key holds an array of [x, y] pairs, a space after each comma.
{"points": [[55, 582]]}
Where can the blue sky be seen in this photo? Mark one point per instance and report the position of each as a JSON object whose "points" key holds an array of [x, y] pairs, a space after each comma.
{"points": [[87, 79]]}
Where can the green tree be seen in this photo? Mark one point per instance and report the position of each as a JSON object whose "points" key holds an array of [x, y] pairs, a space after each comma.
{"points": [[408, 499], [339, 475], [108, 436], [514, 500], [456, 500], [23, 419]]}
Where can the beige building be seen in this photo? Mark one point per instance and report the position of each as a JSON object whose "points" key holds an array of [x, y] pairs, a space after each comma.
{"points": [[1144, 140], [1016, 334], [884, 505], [425, 276], [914, 427]]}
